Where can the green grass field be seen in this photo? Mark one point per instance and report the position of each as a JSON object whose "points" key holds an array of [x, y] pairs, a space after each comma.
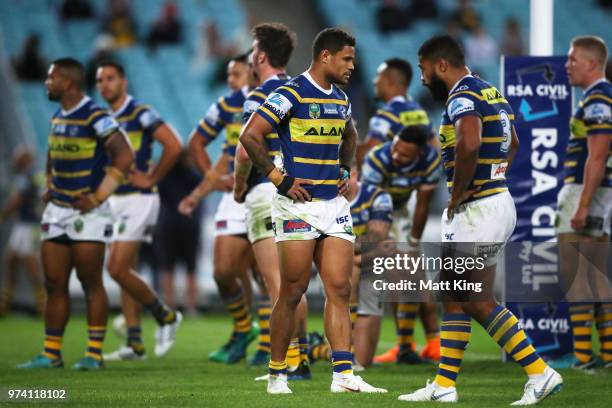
{"points": [[185, 377]]}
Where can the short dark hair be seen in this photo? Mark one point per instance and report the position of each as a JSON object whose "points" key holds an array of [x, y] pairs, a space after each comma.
{"points": [[114, 64], [417, 134], [277, 41], [243, 58], [443, 47], [593, 44], [72, 69], [333, 40], [403, 67]]}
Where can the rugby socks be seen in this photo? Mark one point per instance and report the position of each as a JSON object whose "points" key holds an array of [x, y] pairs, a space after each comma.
{"points": [[504, 328], [455, 333], [604, 328], [95, 336], [237, 307], [405, 318], [320, 352], [162, 313], [293, 354], [134, 339], [353, 312], [277, 367], [342, 362], [303, 344], [264, 309], [53, 343], [581, 320]]}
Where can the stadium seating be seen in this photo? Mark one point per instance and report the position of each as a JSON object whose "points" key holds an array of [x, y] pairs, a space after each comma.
{"points": [[165, 79]]}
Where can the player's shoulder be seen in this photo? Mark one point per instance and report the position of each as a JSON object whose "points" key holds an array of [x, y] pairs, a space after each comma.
{"points": [[381, 149], [599, 93], [232, 102], [92, 112]]}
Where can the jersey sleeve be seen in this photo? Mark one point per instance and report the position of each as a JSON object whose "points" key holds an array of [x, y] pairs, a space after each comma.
{"points": [[461, 105], [104, 124], [598, 114], [382, 207], [379, 127], [278, 105], [434, 171], [149, 119], [210, 126], [372, 170]]}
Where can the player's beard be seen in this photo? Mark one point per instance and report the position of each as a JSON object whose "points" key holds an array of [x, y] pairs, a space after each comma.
{"points": [[438, 88], [53, 97]]}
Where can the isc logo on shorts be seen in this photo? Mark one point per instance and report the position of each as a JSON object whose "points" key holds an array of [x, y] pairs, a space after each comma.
{"points": [[342, 220], [290, 226]]}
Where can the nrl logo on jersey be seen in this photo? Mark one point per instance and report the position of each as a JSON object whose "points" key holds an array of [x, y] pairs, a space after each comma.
{"points": [[314, 111]]}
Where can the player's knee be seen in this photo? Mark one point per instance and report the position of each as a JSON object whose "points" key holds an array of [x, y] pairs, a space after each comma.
{"points": [[293, 292], [339, 290], [56, 286], [117, 271]]}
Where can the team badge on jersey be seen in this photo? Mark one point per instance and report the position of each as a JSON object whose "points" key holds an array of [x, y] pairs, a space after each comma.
{"points": [[314, 111]]}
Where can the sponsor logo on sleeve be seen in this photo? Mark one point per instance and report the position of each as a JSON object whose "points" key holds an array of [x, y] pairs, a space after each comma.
{"points": [[460, 105]]}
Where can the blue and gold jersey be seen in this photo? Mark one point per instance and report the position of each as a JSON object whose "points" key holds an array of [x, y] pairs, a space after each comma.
{"points": [[473, 96], [76, 150], [254, 100], [225, 114], [398, 113], [400, 181], [310, 122], [139, 122], [371, 203], [593, 117]]}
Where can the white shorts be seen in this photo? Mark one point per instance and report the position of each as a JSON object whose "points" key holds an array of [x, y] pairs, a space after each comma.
{"points": [[96, 225], [598, 221], [370, 299], [490, 221], [295, 221], [402, 224], [24, 239], [135, 216], [258, 204], [230, 218]]}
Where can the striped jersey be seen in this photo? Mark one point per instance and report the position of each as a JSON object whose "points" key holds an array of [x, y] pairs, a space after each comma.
{"points": [[400, 181], [474, 96], [371, 203], [225, 114], [254, 100], [310, 122], [398, 113], [76, 150], [139, 122], [593, 117]]}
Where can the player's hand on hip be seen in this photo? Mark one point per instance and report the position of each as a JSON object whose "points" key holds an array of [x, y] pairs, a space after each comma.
{"points": [[298, 193], [188, 204], [85, 203], [46, 197], [579, 219], [344, 187], [455, 201], [141, 180], [240, 193]]}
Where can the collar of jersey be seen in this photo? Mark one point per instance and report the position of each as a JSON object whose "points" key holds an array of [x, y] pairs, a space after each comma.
{"points": [[398, 98], [275, 77], [312, 81], [458, 82], [119, 111], [594, 84], [79, 105]]}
